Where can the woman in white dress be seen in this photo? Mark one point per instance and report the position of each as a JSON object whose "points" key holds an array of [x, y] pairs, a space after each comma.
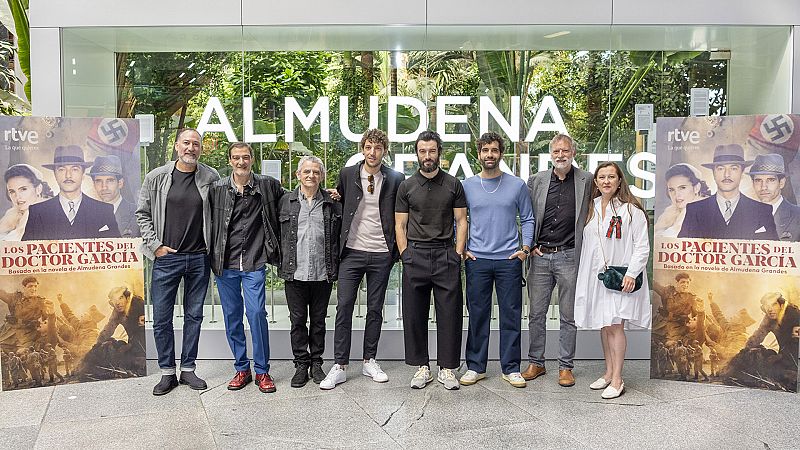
{"points": [[684, 186], [615, 235]]}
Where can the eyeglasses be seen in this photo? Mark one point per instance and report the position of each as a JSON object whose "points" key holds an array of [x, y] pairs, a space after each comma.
{"points": [[371, 187]]}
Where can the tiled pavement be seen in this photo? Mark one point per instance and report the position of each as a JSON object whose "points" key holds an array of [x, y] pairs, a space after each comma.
{"points": [[363, 414]]}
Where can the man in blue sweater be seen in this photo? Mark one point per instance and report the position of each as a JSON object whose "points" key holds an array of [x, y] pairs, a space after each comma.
{"points": [[494, 257]]}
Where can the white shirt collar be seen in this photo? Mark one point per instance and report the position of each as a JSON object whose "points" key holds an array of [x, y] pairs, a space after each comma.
{"points": [[776, 204], [721, 203], [65, 203]]}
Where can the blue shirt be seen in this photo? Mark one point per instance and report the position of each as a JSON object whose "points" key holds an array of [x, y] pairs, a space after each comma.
{"points": [[494, 204]]}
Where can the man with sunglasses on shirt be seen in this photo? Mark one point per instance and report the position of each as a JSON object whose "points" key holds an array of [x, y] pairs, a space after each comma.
{"points": [[367, 248]]}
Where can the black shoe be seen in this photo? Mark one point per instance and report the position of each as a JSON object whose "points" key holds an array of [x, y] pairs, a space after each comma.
{"points": [[167, 383], [193, 381], [300, 377], [317, 374]]}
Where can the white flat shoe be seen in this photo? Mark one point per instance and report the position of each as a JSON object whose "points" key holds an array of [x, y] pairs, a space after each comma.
{"points": [[601, 383], [609, 392]]}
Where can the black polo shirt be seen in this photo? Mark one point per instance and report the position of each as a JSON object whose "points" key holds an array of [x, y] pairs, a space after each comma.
{"points": [[245, 248], [558, 222], [429, 204]]}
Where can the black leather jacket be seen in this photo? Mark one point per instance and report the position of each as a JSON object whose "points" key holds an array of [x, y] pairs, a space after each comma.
{"points": [[288, 212], [221, 196], [349, 187]]}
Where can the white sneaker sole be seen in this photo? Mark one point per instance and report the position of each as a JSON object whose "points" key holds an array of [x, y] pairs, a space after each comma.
{"points": [[427, 382], [328, 387], [471, 382], [373, 378]]}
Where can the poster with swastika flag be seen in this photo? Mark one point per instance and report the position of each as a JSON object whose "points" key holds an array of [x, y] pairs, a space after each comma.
{"points": [[71, 280], [726, 303]]}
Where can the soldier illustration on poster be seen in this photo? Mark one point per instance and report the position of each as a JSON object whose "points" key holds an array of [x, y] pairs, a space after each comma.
{"points": [[71, 287], [726, 295]]}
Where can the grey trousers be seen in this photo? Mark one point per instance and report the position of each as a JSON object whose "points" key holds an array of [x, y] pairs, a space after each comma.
{"points": [[547, 271]]}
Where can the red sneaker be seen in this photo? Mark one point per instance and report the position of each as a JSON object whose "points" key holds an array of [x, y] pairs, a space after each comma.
{"points": [[240, 380], [265, 383]]}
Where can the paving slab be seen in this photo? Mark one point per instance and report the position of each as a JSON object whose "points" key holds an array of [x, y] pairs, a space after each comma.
{"points": [[117, 398], [404, 412], [29, 406], [531, 434], [189, 429], [18, 437], [768, 416], [327, 418], [662, 425]]}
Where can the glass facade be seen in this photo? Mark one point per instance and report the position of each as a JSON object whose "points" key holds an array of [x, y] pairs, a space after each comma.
{"points": [[525, 82]]}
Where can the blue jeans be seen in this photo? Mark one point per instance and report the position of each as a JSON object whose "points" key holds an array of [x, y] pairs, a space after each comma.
{"points": [[506, 276], [547, 272], [168, 270], [230, 286]]}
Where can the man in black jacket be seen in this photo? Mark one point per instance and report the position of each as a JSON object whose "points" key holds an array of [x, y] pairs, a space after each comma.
{"points": [[244, 221], [367, 247], [310, 222]]}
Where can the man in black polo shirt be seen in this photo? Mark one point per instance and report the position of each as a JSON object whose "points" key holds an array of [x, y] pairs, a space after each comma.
{"points": [[427, 205], [560, 197]]}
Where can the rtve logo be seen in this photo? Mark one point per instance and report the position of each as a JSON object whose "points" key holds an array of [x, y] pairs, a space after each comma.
{"points": [[678, 135], [16, 135]]}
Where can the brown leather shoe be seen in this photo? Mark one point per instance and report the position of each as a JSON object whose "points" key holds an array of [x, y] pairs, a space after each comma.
{"points": [[240, 380], [533, 371], [265, 383], [565, 378]]}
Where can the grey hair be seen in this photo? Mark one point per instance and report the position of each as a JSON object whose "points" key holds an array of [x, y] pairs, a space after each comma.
{"points": [[564, 137], [313, 159]]}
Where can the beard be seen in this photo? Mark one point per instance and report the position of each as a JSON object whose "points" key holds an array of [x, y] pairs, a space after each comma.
{"points": [[489, 164], [428, 169]]}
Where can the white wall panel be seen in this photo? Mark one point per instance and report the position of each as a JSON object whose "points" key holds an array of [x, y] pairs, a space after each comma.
{"points": [[705, 12], [508, 12], [796, 70], [46, 71], [138, 13], [349, 12]]}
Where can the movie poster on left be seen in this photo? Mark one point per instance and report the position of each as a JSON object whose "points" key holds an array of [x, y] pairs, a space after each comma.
{"points": [[71, 280], [726, 281]]}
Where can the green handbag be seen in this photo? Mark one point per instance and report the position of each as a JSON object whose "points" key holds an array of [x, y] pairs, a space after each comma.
{"points": [[612, 278]]}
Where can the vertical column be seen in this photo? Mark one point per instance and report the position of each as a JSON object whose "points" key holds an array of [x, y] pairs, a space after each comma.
{"points": [[46, 70], [795, 93]]}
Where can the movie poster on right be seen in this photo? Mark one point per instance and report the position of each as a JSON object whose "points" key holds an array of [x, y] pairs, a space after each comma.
{"points": [[726, 285]]}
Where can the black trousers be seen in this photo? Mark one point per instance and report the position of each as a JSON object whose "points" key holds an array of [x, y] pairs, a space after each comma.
{"points": [[353, 266], [307, 300], [435, 267]]}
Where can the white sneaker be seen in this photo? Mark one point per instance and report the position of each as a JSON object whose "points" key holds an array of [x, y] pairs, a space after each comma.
{"points": [[600, 383], [515, 379], [609, 392], [373, 370], [448, 379], [336, 375], [471, 377], [422, 377]]}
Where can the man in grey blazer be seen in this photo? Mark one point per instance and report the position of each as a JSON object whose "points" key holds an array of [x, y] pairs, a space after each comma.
{"points": [[560, 197], [768, 174]]}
